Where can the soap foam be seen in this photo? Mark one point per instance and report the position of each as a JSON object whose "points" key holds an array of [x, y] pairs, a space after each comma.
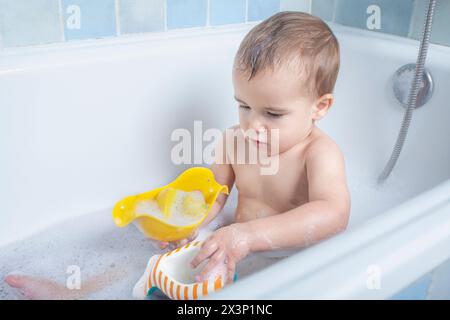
{"points": [[96, 245], [177, 216]]}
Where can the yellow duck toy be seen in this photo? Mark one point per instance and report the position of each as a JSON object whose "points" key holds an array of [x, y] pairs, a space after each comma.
{"points": [[184, 192]]}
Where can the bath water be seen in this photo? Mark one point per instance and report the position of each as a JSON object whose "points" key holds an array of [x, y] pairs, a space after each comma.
{"points": [[96, 246]]}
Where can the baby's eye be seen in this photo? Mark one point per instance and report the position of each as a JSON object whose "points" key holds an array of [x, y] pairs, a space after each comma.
{"points": [[244, 107], [275, 115]]}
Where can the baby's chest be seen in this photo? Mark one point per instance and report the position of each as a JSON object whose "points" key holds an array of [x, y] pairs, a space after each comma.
{"points": [[286, 184]]}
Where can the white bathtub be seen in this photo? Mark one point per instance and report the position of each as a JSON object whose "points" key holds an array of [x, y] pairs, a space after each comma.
{"points": [[83, 124]]}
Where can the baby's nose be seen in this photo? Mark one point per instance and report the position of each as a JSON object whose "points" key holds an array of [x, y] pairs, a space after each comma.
{"points": [[257, 127], [257, 133], [260, 131]]}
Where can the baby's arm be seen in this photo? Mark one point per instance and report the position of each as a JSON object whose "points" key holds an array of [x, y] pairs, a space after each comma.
{"points": [[326, 213], [224, 175]]}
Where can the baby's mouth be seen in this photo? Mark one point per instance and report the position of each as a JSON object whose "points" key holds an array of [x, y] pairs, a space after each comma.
{"points": [[256, 141]]}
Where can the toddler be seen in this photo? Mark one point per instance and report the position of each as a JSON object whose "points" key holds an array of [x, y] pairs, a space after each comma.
{"points": [[283, 75]]}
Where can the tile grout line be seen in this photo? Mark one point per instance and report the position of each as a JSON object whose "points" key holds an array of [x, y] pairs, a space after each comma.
{"points": [[117, 13], [412, 22], [61, 20], [208, 9], [246, 11], [165, 14], [1, 33], [333, 18]]}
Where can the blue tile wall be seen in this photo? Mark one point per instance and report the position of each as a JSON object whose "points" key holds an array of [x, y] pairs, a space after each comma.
{"points": [[323, 9], [29, 22], [84, 19], [296, 5], [137, 16], [32, 22], [186, 13], [226, 12], [394, 16], [262, 9], [441, 22]]}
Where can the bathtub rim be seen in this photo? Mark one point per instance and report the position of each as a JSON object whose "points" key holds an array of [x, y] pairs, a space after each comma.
{"points": [[344, 248]]}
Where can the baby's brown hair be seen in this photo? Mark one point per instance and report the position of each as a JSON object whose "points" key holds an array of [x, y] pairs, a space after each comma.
{"points": [[287, 37]]}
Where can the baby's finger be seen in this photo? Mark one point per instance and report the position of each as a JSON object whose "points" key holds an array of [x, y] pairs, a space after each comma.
{"points": [[163, 244], [231, 267], [181, 242], [218, 257], [193, 235], [207, 250]]}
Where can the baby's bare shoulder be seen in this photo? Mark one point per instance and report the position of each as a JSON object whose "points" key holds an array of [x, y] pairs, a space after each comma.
{"points": [[326, 171], [322, 146]]}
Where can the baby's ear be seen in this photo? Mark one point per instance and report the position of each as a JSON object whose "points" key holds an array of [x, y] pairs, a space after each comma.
{"points": [[322, 106]]}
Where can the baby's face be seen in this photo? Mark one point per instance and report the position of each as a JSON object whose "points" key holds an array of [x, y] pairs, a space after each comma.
{"points": [[274, 101]]}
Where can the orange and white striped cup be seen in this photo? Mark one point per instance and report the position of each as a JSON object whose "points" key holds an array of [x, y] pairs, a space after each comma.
{"points": [[172, 274]]}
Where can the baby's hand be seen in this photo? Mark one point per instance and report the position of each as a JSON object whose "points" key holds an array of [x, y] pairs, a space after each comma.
{"points": [[226, 245], [179, 243]]}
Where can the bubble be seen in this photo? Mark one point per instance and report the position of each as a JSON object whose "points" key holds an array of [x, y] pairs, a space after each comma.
{"points": [[187, 208]]}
